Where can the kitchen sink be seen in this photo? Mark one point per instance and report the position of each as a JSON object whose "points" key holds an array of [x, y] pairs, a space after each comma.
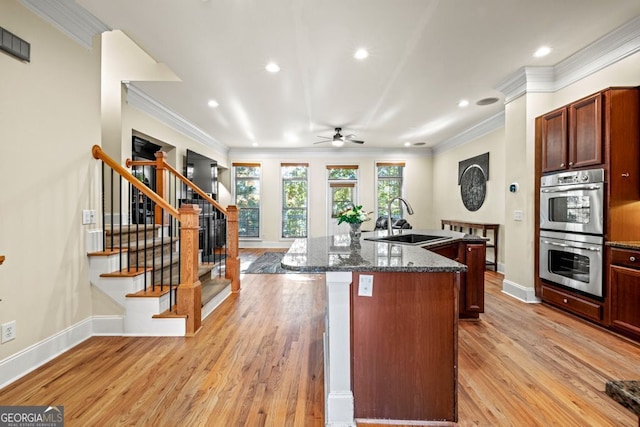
{"points": [[409, 239]]}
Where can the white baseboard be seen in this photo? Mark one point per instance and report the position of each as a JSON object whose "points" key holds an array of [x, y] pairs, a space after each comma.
{"points": [[524, 294], [36, 355], [108, 325], [264, 244]]}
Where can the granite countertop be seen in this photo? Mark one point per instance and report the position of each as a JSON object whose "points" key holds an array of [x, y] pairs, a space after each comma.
{"points": [[626, 393], [338, 253], [625, 245]]}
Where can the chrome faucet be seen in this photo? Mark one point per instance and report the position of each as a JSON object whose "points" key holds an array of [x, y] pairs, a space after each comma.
{"points": [[409, 211]]}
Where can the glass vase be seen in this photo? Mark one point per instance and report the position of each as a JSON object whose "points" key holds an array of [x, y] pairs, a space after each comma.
{"points": [[355, 231]]}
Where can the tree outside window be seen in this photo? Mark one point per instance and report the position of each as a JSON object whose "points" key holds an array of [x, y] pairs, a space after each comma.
{"points": [[294, 200], [389, 186], [247, 191]]}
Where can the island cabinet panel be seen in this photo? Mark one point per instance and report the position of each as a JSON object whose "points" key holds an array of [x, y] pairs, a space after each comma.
{"points": [[474, 289], [471, 299], [404, 347]]}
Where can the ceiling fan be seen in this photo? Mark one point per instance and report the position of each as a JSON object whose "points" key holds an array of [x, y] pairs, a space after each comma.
{"points": [[338, 140]]}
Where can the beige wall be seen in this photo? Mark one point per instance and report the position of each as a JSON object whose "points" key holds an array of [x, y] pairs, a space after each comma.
{"points": [[447, 203], [50, 114], [417, 187]]}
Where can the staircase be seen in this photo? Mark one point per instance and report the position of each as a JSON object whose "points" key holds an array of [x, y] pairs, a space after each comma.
{"points": [[145, 286], [154, 270]]}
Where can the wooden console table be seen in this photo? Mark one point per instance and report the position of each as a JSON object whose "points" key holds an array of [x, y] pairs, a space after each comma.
{"points": [[461, 225]]}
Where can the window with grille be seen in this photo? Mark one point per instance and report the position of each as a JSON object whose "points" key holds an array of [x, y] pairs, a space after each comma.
{"points": [[247, 198], [295, 188]]}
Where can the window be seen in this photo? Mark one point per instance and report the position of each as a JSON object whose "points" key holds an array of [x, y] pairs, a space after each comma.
{"points": [[342, 184], [295, 187], [389, 186], [247, 194]]}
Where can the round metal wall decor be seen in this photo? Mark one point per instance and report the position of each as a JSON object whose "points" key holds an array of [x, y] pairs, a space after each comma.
{"points": [[473, 187]]}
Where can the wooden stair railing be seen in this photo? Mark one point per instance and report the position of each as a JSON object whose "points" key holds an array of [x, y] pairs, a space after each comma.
{"points": [[189, 290], [232, 261]]}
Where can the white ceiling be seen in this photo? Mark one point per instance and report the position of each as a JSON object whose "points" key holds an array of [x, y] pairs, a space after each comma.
{"points": [[425, 56]]}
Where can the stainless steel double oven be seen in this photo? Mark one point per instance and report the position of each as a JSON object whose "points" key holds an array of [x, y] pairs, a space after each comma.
{"points": [[572, 230]]}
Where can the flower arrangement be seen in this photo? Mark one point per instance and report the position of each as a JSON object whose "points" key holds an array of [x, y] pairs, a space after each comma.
{"points": [[354, 215]]}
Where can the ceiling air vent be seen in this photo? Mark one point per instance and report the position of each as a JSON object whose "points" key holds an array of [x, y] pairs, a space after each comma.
{"points": [[14, 45]]}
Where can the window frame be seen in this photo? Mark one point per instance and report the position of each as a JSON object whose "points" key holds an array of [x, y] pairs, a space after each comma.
{"points": [[283, 208], [236, 179], [382, 210]]}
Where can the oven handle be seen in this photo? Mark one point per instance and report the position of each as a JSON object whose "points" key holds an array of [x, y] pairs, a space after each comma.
{"points": [[565, 189], [564, 245]]}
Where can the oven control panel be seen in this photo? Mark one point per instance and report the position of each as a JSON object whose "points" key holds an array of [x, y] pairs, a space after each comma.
{"points": [[573, 177]]}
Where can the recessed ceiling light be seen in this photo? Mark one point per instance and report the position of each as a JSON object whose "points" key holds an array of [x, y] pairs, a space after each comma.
{"points": [[407, 144], [272, 67], [361, 54], [542, 51], [463, 103], [487, 101], [255, 144], [213, 103]]}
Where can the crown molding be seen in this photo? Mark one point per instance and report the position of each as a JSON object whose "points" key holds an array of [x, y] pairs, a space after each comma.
{"points": [[137, 98], [483, 128], [70, 18], [607, 50], [361, 152]]}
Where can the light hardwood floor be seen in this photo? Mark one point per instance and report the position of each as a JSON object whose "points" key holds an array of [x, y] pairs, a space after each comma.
{"points": [[258, 361]]}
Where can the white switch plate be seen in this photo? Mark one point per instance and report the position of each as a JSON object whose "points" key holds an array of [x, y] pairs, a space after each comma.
{"points": [[8, 331], [88, 217], [365, 285], [517, 215]]}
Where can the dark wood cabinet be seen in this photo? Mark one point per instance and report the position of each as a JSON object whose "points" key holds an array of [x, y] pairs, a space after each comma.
{"points": [[474, 280], [471, 298], [624, 279], [585, 132], [572, 135], [404, 347], [554, 140]]}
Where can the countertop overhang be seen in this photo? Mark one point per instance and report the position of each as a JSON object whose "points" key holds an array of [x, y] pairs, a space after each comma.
{"points": [[339, 253]]}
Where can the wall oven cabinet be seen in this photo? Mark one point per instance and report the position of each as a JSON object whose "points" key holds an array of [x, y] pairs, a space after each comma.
{"points": [[600, 132]]}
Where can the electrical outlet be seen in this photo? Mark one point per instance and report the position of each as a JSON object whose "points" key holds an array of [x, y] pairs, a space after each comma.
{"points": [[365, 286], [8, 331]]}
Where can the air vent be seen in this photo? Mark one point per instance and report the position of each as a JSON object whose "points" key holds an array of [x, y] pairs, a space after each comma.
{"points": [[14, 45], [487, 101]]}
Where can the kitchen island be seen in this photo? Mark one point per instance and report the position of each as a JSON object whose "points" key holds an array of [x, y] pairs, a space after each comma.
{"points": [[391, 320]]}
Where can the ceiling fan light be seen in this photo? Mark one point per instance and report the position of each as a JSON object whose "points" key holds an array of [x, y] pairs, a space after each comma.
{"points": [[337, 143]]}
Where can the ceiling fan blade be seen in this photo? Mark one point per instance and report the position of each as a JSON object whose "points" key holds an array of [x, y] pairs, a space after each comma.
{"points": [[355, 141], [325, 137], [320, 142], [350, 136]]}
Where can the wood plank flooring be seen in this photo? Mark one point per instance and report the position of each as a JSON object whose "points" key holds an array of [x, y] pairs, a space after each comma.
{"points": [[258, 362]]}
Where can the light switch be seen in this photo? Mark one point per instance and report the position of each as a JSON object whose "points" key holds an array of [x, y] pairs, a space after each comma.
{"points": [[365, 285], [517, 215], [88, 217]]}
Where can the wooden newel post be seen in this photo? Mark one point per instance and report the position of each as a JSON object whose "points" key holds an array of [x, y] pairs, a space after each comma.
{"points": [[232, 263], [189, 290], [161, 185]]}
